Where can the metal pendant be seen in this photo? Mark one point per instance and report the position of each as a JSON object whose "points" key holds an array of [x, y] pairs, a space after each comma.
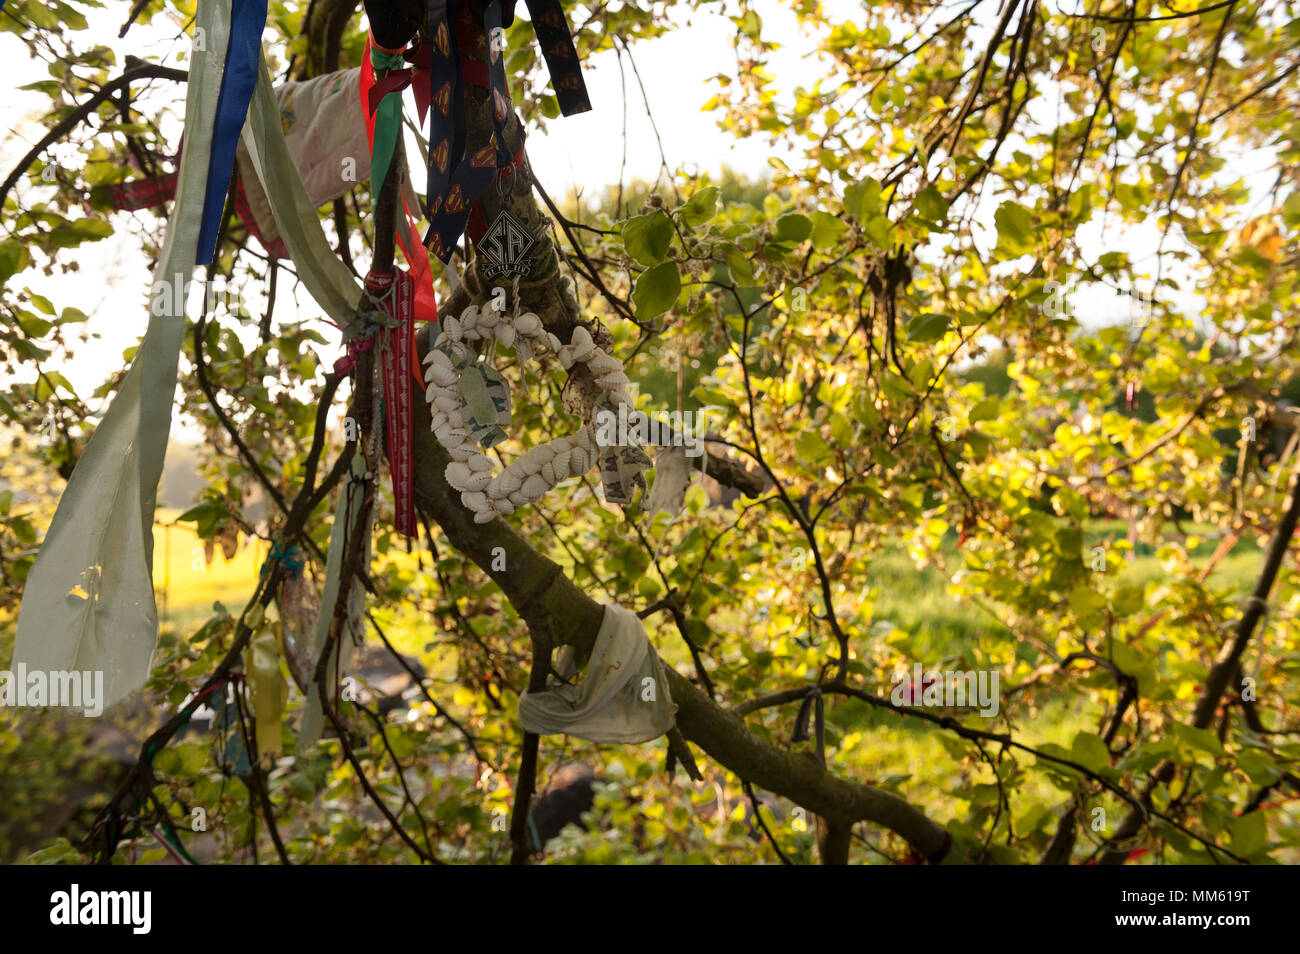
{"points": [[504, 247]]}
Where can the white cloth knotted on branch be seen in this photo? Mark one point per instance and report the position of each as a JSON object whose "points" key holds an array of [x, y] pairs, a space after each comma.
{"points": [[623, 698]]}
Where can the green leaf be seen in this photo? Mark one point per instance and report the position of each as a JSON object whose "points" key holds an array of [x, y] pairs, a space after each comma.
{"points": [[1084, 600], [810, 447], [985, 410], [924, 328], [23, 529], [878, 229], [648, 236], [41, 302], [793, 228], [1089, 750], [931, 204], [1015, 225], [862, 200], [32, 326], [13, 259], [1249, 833], [656, 290], [739, 264], [826, 230], [701, 207], [1201, 739]]}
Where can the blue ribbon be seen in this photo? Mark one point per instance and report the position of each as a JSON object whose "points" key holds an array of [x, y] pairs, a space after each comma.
{"points": [[243, 54], [285, 556]]}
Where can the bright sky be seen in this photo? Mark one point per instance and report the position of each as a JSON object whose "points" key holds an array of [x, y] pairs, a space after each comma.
{"points": [[582, 152]]}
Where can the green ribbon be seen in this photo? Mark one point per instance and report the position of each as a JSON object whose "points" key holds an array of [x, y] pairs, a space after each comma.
{"points": [[388, 123]]}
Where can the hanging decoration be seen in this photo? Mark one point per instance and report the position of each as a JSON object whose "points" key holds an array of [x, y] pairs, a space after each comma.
{"points": [[88, 602], [396, 295], [243, 51], [440, 71], [262, 663], [622, 699], [463, 423]]}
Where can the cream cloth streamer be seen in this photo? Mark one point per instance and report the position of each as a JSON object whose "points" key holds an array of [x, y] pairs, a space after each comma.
{"points": [[88, 603], [623, 699]]}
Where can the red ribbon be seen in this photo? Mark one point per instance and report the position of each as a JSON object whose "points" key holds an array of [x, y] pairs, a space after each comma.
{"points": [[417, 76], [356, 347], [399, 373], [426, 303]]}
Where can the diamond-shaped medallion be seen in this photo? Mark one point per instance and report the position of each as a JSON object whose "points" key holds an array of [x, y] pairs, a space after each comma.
{"points": [[504, 247]]}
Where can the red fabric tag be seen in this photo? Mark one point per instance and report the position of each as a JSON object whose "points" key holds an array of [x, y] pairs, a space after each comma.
{"points": [[399, 406], [142, 193]]}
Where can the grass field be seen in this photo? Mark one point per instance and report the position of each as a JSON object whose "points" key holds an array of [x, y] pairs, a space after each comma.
{"points": [[186, 585], [879, 745]]}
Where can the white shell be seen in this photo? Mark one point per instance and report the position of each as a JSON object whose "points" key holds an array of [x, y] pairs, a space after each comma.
{"points": [[561, 464], [458, 474], [565, 355], [484, 516], [445, 403], [510, 482], [534, 487], [582, 344], [553, 341], [548, 473], [518, 498], [480, 462], [615, 379], [530, 463], [504, 506], [474, 500], [529, 324], [579, 462], [506, 334], [478, 480]]}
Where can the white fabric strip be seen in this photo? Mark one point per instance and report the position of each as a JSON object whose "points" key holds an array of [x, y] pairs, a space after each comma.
{"points": [[326, 277], [88, 602]]}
